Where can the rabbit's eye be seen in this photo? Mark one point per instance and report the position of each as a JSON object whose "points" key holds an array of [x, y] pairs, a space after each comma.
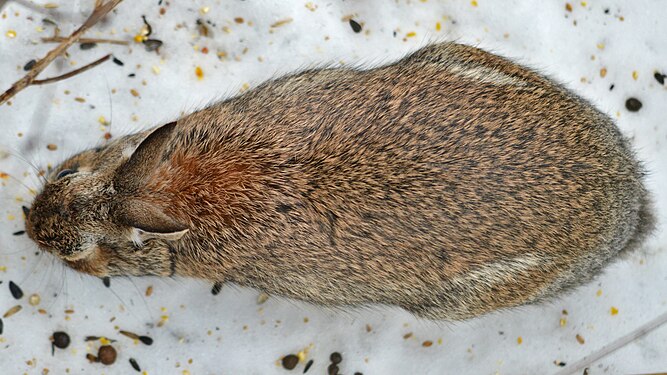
{"points": [[64, 173]]}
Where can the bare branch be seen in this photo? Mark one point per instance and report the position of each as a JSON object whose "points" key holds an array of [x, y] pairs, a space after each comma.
{"points": [[72, 73], [27, 80], [59, 39]]}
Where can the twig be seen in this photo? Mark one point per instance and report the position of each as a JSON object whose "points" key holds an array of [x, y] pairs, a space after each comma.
{"points": [[59, 39], [99, 12], [72, 73]]}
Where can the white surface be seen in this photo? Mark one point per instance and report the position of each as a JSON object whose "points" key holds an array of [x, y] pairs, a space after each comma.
{"points": [[209, 329]]}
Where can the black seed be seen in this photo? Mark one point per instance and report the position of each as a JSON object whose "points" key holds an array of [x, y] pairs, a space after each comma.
{"points": [[146, 340], [87, 46], [92, 338], [356, 27], [117, 62], [336, 358], [29, 65], [106, 280], [1, 326], [135, 365], [19, 233], [611, 87], [658, 77], [152, 44], [290, 361], [26, 211], [61, 340], [633, 104], [606, 11], [148, 26], [16, 291], [358, 373], [332, 369], [310, 363], [131, 75], [217, 287]]}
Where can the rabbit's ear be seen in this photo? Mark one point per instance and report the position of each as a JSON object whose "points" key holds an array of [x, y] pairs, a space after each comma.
{"points": [[148, 218], [145, 158]]}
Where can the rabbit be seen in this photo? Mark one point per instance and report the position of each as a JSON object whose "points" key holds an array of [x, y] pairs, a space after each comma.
{"points": [[451, 183]]}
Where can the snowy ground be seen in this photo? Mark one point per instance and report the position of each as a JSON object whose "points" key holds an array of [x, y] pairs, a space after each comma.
{"points": [[594, 45]]}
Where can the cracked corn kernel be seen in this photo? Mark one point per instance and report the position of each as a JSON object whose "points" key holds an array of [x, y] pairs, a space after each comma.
{"points": [[11, 34], [613, 311], [199, 73]]}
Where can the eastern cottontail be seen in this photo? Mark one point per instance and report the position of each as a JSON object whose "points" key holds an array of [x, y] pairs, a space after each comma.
{"points": [[451, 183]]}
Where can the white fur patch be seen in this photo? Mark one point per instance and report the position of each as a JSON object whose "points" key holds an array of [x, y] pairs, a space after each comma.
{"points": [[485, 74], [499, 272], [136, 236], [128, 151]]}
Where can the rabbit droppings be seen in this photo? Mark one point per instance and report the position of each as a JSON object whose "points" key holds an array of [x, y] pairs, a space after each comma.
{"points": [[451, 183]]}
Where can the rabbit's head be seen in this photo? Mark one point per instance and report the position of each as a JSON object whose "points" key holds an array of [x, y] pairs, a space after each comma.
{"points": [[90, 215]]}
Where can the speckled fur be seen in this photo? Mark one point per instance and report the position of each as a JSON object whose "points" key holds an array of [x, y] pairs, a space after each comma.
{"points": [[451, 183]]}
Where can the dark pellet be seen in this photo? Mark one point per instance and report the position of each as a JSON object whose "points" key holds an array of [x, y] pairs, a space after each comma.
{"points": [[17, 293], [91, 358], [290, 361], [152, 44], [217, 287], [29, 65], [358, 373], [92, 338], [332, 369], [335, 358], [87, 46], [308, 365], [611, 87], [19, 233], [61, 340], [135, 365], [356, 27], [658, 77], [132, 75], [106, 281], [146, 340], [2, 326], [107, 354], [117, 62], [633, 104]]}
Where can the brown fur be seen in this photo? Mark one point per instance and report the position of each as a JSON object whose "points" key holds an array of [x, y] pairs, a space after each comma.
{"points": [[451, 183]]}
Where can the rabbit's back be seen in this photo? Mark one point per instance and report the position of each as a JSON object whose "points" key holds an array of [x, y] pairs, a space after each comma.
{"points": [[451, 183]]}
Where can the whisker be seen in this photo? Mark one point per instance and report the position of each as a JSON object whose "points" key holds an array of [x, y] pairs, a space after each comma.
{"points": [[141, 295], [29, 189]]}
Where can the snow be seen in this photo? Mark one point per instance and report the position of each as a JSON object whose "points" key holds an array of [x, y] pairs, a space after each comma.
{"points": [[231, 333]]}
